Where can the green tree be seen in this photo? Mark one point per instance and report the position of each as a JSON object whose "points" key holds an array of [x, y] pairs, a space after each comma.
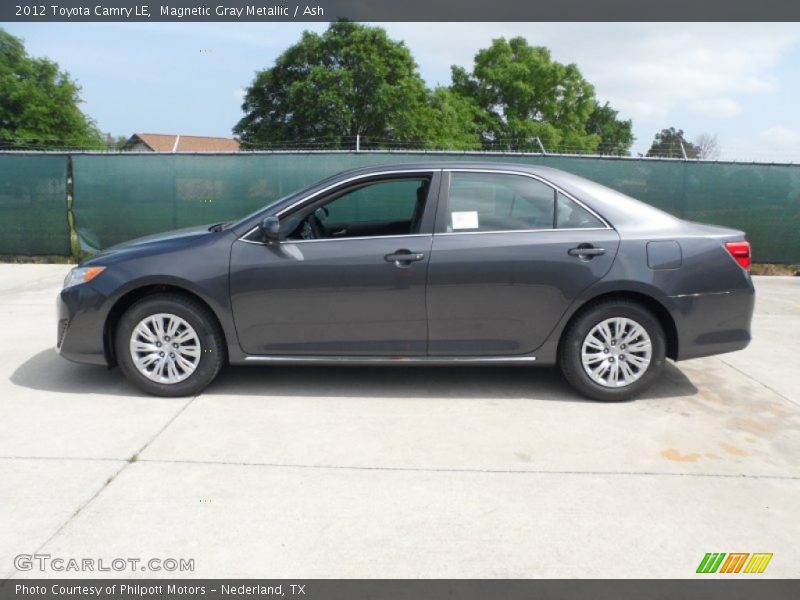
{"points": [[448, 122], [667, 144], [523, 94], [326, 89], [39, 103], [115, 142], [616, 136]]}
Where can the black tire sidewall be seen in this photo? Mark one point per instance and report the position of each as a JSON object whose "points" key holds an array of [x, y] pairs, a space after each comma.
{"points": [[570, 350], [212, 350]]}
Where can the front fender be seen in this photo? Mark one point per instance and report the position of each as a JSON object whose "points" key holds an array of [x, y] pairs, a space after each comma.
{"points": [[200, 269]]}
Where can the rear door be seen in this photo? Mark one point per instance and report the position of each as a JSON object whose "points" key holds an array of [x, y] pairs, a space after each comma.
{"points": [[510, 253]]}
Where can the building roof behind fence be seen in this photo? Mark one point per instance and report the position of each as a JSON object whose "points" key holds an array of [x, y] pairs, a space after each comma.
{"points": [[160, 142]]}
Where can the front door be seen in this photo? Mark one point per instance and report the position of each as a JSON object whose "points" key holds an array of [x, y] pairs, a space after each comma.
{"points": [[509, 255], [348, 276]]}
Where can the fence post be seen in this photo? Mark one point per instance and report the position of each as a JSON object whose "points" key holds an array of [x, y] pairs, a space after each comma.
{"points": [[684, 189], [74, 251]]}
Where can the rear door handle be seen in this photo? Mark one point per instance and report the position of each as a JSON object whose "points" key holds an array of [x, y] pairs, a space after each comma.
{"points": [[404, 257], [586, 251]]}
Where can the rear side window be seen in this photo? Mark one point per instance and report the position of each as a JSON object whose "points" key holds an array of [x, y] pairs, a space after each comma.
{"points": [[571, 215], [499, 202]]}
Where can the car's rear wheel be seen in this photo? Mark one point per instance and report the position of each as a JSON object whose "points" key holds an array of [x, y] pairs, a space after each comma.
{"points": [[169, 345], [613, 350]]}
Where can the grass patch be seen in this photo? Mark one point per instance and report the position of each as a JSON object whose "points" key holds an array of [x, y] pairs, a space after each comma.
{"points": [[37, 260], [772, 269]]}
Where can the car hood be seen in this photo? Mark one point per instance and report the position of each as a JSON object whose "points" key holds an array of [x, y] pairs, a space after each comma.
{"points": [[175, 236]]}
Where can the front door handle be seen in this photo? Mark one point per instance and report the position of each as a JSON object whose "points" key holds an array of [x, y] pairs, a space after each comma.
{"points": [[586, 251], [403, 258]]}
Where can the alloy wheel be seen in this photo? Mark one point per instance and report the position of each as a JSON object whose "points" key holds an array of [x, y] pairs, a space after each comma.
{"points": [[616, 352], [165, 348]]}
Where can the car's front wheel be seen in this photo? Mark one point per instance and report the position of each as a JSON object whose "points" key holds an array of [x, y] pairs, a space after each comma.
{"points": [[613, 350], [169, 345]]}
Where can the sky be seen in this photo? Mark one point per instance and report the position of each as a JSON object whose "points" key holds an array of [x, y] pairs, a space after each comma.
{"points": [[738, 81]]}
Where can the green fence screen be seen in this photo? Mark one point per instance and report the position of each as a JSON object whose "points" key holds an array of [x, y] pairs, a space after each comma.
{"points": [[118, 197], [33, 205], [121, 196]]}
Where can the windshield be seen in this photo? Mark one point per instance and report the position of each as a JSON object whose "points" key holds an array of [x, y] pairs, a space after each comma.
{"points": [[255, 212], [281, 200]]}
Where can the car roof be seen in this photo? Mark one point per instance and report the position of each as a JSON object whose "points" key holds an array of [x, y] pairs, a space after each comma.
{"points": [[563, 179], [451, 164]]}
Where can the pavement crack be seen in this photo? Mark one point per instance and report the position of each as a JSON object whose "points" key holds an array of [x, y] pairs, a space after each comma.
{"points": [[132, 459], [465, 470], [761, 383], [135, 456], [64, 458], [222, 463]]}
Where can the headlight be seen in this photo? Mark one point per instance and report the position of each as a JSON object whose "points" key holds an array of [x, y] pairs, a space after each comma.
{"points": [[82, 275]]}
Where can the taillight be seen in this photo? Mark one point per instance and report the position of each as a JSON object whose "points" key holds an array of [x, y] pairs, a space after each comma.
{"points": [[740, 251]]}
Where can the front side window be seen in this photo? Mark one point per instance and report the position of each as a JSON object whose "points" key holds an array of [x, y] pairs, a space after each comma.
{"points": [[499, 202], [374, 209]]}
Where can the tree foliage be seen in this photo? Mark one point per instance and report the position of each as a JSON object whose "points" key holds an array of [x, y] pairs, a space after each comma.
{"points": [[522, 94], [449, 121], [39, 105], [353, 80], [667, 144], [115, 143], [326, 89], [616, 136]]}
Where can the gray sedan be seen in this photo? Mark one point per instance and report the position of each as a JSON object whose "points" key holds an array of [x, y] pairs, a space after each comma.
{"points": [[434, 263]]}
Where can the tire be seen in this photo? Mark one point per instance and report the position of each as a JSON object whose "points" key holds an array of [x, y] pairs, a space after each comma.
{"points": [[197, 345], [584, 347]]}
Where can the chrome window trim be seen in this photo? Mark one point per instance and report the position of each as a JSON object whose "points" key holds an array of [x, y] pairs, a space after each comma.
{"points": [[541, 180], [310, 197], [344, 239], [524, 231]]}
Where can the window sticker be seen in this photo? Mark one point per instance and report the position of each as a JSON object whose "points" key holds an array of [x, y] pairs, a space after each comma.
{"points": [[465, 220]]}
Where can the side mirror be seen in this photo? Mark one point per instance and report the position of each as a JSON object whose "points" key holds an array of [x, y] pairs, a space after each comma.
{"points": [[270, 229]]}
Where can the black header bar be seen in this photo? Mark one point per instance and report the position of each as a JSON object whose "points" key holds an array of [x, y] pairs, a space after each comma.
{"points": [[400, 10], [710, 587]]}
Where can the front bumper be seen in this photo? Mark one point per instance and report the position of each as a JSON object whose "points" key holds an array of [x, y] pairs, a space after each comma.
{"points": [[82, 313]]}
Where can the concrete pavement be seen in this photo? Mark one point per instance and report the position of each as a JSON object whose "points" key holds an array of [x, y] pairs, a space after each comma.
{"points": [[416, 472]]}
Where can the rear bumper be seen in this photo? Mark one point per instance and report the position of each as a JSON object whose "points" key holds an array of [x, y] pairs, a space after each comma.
{"points": [[713, 323], [80, 325]]}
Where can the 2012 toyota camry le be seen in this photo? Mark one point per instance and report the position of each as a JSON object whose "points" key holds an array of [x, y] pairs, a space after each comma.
{"points": [[435, 263]]}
